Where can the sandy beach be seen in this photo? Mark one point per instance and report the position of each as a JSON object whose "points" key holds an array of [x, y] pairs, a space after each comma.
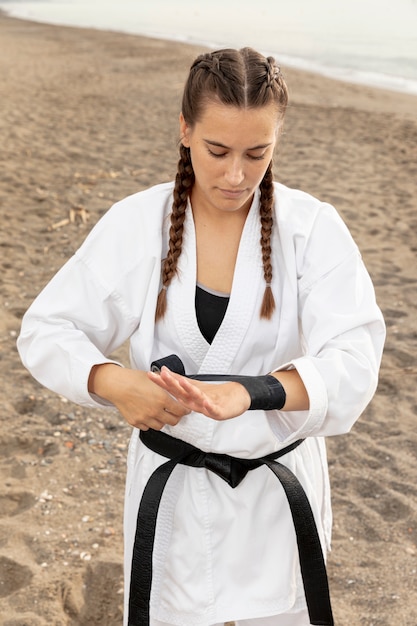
{"points": [[88, 117]]}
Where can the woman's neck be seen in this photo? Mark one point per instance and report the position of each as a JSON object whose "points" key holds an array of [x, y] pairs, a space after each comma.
{"points": [[217, 244]]}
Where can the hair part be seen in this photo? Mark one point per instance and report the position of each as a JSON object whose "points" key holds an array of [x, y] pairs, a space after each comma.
{"points": [[244, 79]]}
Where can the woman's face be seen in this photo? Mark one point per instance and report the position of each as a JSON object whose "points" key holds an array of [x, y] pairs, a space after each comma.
{"points": [[230, 148]]}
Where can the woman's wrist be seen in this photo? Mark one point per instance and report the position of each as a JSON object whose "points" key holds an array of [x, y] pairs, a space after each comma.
{"points": [[101, 380], [297, 398], [266, 392]]}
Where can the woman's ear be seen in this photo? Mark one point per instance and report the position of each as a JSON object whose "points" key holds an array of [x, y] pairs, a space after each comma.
{"points": [[184, 130]]}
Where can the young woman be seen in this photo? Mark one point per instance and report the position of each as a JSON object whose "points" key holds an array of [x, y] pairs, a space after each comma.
{"points": [[239, 277]]}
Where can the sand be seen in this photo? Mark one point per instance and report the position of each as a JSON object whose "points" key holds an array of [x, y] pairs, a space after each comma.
{"points": [[87, 118]]}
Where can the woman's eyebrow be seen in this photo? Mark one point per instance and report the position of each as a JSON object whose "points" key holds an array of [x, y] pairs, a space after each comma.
{"points": [[221, 145]]}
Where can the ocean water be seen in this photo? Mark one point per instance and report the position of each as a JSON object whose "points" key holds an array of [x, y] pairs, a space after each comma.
{"points": [[364, 41]]}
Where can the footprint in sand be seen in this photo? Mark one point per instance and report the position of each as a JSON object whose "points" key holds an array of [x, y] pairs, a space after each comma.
{"points": [[390, 505], [98, 602], [11, 446], [13, 576], [16, 502]]}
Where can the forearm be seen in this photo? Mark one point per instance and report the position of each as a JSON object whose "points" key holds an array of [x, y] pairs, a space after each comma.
{"points": [[282, 391], [106, 380], [296, 393]]}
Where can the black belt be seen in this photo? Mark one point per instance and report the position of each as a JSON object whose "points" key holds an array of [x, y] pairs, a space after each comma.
{"points": [[233, 470]]}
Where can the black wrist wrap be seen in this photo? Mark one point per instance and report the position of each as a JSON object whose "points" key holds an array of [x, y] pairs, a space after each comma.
{"points": [[266, 392]]}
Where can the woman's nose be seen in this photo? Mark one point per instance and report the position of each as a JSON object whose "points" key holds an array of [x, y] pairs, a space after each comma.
{"points": [[234, 173]]}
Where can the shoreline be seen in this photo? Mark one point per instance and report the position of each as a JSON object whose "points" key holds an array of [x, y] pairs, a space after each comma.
{"points": [[90, 116], [384, 99], [406, 85]]}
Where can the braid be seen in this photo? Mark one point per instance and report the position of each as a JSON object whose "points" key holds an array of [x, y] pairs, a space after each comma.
{"points": [[183, 183], [265, 210], [273, 73]]}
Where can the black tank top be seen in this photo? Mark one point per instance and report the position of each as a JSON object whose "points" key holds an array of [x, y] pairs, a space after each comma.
{"points": [[210, 308]]}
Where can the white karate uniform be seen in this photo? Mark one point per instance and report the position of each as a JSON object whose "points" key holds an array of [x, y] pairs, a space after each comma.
{"points": [[220, 553]]}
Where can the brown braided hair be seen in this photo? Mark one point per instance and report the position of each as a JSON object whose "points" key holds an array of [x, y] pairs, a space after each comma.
{"points": [[183, 183], [241, 78], [265, 211]]}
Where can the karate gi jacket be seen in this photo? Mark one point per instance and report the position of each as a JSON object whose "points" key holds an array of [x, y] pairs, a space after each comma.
{"points": [[220, 553]]}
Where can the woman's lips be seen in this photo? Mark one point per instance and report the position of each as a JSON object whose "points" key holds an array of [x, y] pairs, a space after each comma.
{"points": [[232, 193]]}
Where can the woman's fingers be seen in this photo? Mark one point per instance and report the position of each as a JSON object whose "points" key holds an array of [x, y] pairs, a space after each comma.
{"points": [[163, 418], [194, 395], [217, 401], [183, 390]]}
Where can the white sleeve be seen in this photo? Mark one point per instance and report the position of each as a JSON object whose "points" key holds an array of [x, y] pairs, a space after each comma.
{"points": [[73, 324], [92, 305], [341, 327], [344, 333]]}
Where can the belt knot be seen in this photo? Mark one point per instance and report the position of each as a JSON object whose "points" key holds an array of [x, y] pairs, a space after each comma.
{"points": [[229, 468]]}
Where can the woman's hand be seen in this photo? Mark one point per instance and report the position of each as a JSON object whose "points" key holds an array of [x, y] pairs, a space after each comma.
{"points": [[142, 404], [218, 401]]}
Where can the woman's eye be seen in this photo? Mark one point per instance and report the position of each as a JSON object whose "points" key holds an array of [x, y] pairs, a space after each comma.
{"points": [[217, 155], [256, 157], [220, 155]]}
